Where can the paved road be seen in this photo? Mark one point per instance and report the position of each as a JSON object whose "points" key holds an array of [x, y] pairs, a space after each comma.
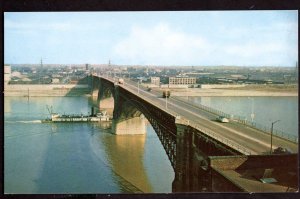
{"points": [[255, 141]]}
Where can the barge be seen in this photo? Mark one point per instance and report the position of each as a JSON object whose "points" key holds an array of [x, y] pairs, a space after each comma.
{"points": [[98, 117]]}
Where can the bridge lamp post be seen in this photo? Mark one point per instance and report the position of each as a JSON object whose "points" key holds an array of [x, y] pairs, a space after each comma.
{"points": [[166, 103], [272, 135], [252, 107]]}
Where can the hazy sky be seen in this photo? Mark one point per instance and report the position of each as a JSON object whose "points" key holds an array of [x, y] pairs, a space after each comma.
{"points": [[245, 38]]}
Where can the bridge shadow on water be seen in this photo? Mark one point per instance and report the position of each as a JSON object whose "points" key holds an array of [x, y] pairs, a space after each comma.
{"points": [[122, 159], [129, 157], [76, 161], [126, 158], [69, 166], [76, 169]]}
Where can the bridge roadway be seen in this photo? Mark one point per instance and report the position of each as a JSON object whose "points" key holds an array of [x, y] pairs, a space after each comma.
{"points": [[255, 141]]}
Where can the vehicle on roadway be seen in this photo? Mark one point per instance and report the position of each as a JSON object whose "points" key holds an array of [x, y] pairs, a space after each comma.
{"points": [[166, 94], [282, 150], [222, 119], [121, 81]]}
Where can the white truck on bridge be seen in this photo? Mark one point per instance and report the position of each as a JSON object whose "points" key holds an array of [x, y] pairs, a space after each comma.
{"points": [[121, 81]]}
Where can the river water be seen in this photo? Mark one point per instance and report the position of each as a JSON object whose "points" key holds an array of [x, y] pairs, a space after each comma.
{"points": [[77, 157], [88, 158], [262, 110]]}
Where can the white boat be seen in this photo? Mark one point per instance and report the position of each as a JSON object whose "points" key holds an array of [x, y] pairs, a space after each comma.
{"points": [[101, 116]]}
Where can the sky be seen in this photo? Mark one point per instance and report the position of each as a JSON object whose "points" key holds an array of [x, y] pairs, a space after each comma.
{"points": [[182, 38]]}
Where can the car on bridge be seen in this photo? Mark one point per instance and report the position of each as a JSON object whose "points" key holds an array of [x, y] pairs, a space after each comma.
{"points": [[222, 119], [282, 150], [121, 81]]}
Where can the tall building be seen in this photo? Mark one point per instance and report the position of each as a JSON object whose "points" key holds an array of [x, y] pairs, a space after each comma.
{"points": [[155, 81], [7, 73], [182, 80]]}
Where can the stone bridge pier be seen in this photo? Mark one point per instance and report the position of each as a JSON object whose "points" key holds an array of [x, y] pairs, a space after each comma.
{"points": [[106, 101], [128, 119], [192, 172], [102, 91], [133, 123], [95, 86], [190, 168]]}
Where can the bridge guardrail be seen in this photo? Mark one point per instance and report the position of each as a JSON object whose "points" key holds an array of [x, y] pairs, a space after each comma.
{"points": [[244, 121], [217, 137], [267, 130]]}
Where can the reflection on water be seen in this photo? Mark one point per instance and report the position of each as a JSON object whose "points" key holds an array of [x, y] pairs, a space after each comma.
{"points": [[7, 106], [130, 126], [125, 154], [77, 157]]}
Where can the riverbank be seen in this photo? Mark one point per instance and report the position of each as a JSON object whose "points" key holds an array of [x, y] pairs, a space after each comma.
{"points": [[247, 91], [47, 90]]}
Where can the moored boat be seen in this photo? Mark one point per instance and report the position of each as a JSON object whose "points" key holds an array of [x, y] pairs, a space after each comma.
{"points": [[98, 117]]}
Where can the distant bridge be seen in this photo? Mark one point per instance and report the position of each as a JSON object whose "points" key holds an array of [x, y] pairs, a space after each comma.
{"points": [[188, 135]]}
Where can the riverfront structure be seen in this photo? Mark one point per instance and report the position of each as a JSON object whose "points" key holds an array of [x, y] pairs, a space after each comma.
{"points": [[182, 80], [205, 155]]}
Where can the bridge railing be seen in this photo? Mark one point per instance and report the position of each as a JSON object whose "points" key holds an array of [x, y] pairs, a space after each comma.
{"points": [[267, 130], [221, 139], [244, 121]]}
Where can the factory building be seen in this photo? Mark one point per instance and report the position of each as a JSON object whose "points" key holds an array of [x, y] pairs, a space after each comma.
{"points": [[182, 80]]}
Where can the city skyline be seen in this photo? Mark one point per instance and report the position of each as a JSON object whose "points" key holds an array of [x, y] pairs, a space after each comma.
{"points": [[239, 38]]}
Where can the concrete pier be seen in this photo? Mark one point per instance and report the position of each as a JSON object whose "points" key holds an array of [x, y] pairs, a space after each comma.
{"points": [[132, 126]]}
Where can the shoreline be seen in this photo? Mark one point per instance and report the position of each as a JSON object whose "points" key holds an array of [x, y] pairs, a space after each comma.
{"points": [[230, 93], [49, 90], [80, 90]]}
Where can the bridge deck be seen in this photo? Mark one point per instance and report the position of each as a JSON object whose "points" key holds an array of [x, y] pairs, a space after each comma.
{"points": [[235, 134]]}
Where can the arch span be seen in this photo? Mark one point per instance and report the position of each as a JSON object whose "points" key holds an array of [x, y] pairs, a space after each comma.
{"points": [[128, 105]]}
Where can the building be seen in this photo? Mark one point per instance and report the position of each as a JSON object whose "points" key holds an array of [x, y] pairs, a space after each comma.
{"points": [[55, 80], [182, 80], [155, 81], [7, 73]]}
